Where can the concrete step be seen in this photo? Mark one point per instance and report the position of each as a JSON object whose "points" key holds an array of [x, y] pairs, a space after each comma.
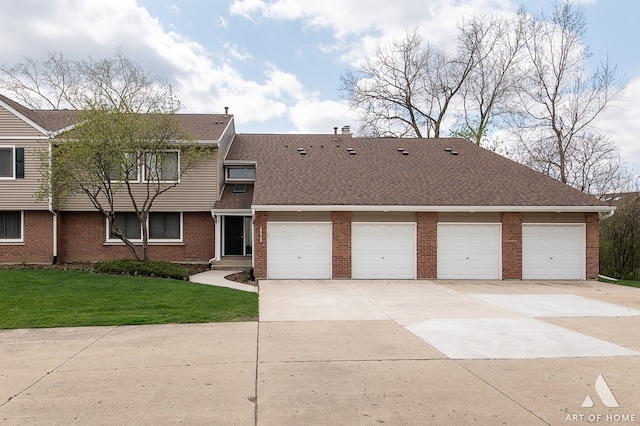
{"points": [[232, 263]]}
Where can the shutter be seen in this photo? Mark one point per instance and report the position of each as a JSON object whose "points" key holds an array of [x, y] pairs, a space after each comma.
{"points": [[19, 162]]}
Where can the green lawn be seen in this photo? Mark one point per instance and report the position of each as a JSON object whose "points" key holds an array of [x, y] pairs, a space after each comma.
{"points": [[622, 282], [55, 298]]}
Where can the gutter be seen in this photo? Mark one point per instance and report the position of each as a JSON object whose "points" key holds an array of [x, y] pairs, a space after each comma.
{"points": [[410, 208]]}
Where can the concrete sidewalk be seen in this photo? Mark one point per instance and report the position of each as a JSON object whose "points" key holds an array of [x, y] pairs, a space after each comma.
{"points": [[295, 369], [217, 278]]}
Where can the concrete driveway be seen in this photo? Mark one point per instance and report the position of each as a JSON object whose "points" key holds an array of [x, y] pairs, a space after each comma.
{"points": [[347, 352]]}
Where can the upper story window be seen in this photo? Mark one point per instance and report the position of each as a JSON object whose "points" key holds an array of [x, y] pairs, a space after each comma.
{"points": [[241, 172], [11, 162], [129, 170], [163, 166]]}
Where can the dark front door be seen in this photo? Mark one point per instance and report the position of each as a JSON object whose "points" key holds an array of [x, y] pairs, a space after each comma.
{"points": [[233, 235]]}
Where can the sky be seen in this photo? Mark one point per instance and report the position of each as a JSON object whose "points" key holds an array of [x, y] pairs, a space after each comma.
{"points": [[277, 63]]}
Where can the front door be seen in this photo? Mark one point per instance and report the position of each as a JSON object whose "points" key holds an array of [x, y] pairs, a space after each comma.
{"points": [[234, 236]]}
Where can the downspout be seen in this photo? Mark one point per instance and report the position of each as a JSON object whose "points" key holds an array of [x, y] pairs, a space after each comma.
{"points": [[608, 215], [217, 219], [54, 215]]}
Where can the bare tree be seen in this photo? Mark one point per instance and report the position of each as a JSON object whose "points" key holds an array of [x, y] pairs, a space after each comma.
{"points": [[486, 93], [559, 102], [407, 87], [49, 84]]}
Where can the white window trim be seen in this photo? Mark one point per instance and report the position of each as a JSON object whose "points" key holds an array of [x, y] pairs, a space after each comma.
{"points": [[238, 166], [110, 240], [138, 173], [15, 240], [13, 162], [145, 170]]}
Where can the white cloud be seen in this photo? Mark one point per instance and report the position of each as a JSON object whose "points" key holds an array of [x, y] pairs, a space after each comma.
{"points": [[206, 83], [357, 28], [317, 116], [622, 124]]}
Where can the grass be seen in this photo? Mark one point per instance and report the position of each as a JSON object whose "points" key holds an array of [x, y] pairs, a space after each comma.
{"points": [[54, 298], [627, 283]]}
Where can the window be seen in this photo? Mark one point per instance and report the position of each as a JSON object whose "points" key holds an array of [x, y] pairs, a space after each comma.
{"points": [[164, 226], [239, 188], [161, 226], [241, 172], [130, 169], [11, 162], [163, 166], [129, 224], [10, 226]]}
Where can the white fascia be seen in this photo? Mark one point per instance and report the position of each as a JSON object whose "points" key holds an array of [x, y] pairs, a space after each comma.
{"points": [[467, 209], [230, 212]]}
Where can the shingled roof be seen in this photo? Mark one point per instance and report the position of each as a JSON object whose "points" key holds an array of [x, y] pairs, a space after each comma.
{"points": [[338, 170], [203, 127]]}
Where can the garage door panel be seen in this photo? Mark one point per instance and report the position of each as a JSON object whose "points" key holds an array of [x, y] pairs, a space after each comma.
{"points": [[383, 251], [469, 251], [553, 251], [298, 250]]}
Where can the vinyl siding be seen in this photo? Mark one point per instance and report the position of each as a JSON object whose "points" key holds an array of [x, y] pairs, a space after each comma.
{"points": [[299, 216], [11, 126], [553, 218], [197, 191], [19, 194], [384, 217], [489, 217]]}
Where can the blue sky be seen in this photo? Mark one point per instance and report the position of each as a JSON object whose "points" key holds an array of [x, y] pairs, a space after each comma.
{"points": [[277, 63]]}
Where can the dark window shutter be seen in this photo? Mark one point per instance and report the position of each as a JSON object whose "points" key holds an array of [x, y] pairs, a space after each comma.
{"points": [[19, 162]]}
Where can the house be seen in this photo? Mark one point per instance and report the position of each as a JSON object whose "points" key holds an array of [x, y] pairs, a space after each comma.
{"points": [[333, 206], [32, 232]]}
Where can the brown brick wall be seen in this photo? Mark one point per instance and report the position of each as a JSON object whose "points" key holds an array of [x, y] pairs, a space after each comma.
{"points": [[427, 244], [81, 238], [593, 246], [38, 240], [511, 246], [341, 244], [260, 245]]}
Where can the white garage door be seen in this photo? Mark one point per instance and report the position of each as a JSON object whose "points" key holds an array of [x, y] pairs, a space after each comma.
{"points": [[383, 250], [299, 250], [553, 252], [469, 251]]}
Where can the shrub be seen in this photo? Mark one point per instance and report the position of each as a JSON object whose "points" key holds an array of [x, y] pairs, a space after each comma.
{"points": [[145, 269]]}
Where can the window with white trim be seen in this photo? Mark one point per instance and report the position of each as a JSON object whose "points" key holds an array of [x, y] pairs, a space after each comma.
{"points": [[130, 169], [10, 226], [162, 227], [162, 166], [11, 162], [241, 172]]}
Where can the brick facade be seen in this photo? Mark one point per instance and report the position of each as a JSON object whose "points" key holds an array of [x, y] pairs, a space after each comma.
{"points": [[38, 240], [511, 246], [260, 245], [81, 238], [427, 245], [593, 246], [341, 244]]}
